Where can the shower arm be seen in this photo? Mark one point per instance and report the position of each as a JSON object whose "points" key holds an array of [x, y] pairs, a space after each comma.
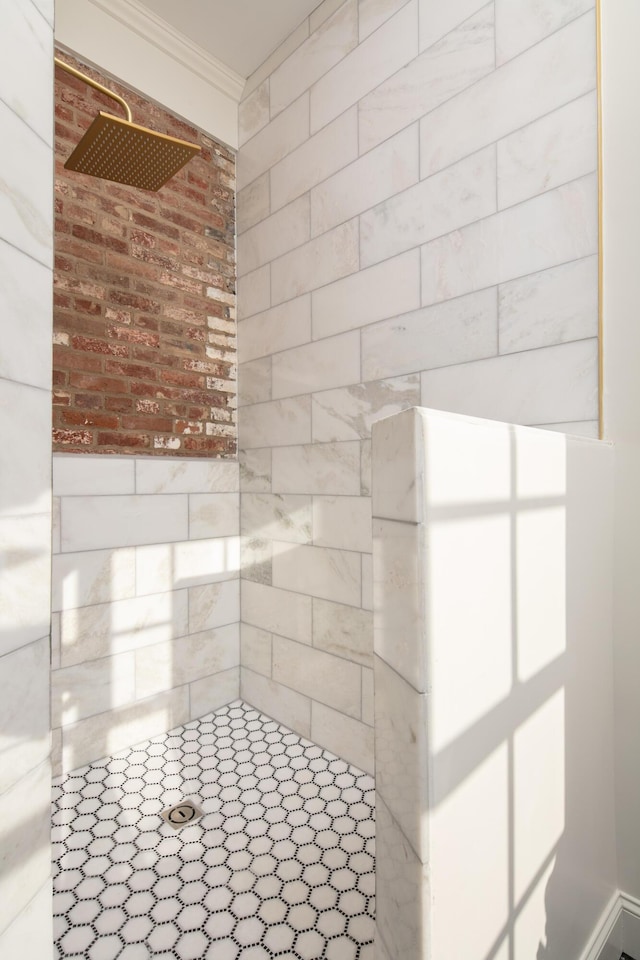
{"points": [[94, 84]]}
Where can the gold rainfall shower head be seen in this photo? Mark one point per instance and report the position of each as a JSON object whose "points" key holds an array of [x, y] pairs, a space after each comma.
{"points": [[120, 150]]}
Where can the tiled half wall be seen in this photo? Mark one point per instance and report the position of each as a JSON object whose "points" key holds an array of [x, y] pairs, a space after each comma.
{"points": [[145, 599], [417, 220]]}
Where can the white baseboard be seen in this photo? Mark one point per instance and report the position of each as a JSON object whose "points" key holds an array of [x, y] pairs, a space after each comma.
{"points": [[617, 930]]}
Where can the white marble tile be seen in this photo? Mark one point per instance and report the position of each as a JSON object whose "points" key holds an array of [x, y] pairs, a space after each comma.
{"points": [[560, 147], [521, 23], [253, 203], [95, 686], [77, 475], [31, 932], [26, 76], [94, 523], [25, 304], [25, 460], [26, 172], [214, 515], [342, 522], [554, 384], [368, 685], [106, 629], [459, 195], [25, 580], [322, 260], [105, 734], [286, 48], [344, 631], [552, 73], [24, 734], [329, 150], [322, 12], [162, 567], [184, 476], [253, 112], [276, 423], [553, 228], [214, 605], [387, 289], [365, 468], [438, 19], [367, 581], [255, 649], [317, 675], [210, 693], [55, 641], [373, 13], [283, 704], [399, 472], [348, 413], [330, 468], [25, 842], [287, 325], [321, 365], [254, 381], [255, 471], [326, 46], [554, 306], [273, 142], [342, 735], [457, 61], [254, 292], [277, 517], [399, 634], [256, 555], [172, 664], [402, 754], [451, 332], [55, 524], [284, 230], [93, 576], [278, 611], [319, 572], [371, 62], [402, 890], [376, 176]]}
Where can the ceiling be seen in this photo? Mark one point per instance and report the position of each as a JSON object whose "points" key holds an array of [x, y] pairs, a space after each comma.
{"points": [[240, 33]]}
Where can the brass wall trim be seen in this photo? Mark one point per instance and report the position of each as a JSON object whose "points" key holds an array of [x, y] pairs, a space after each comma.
{"points": [[600, 224]]}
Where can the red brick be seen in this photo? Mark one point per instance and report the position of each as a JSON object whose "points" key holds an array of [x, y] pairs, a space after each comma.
{"points": [[118, 404], [135, 370], [103, 384], [148, 422], [99, 346], [88, 419], [75, 437], [133, 440]]}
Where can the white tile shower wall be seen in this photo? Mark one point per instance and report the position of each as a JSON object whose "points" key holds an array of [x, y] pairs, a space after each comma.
{"points": [[417, 224], [146, 598], [26, 252]]}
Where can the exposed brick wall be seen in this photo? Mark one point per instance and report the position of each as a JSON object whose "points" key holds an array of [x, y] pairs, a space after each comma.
{"points": [[144, 294]]}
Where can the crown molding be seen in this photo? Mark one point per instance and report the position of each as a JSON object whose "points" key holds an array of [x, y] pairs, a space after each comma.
{"points": [[139, 19]]}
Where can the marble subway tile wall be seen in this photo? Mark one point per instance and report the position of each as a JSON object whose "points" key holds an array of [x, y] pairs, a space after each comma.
{"points": [[417, 219], [26, 253], [146, 599]]}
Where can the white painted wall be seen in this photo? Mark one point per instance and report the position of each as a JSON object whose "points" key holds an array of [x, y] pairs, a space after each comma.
{"points": [[621, 212], [126, 41], [493, 557], [145, 599], [26, 253]]}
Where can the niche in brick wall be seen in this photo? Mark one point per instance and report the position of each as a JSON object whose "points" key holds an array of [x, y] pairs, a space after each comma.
{"points": [[144, 355]]}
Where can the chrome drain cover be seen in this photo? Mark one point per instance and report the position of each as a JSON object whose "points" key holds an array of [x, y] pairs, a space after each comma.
{"points": [[180, 814]]}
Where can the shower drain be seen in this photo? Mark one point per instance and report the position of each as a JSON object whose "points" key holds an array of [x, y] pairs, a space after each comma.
{"points": [[180, 814]]}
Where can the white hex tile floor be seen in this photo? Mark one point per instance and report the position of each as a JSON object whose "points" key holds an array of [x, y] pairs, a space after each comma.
{"points": [[281, 864]]}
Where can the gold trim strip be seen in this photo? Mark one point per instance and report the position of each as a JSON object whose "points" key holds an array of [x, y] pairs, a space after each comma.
{"points": [[94, 84], [600, 225]]}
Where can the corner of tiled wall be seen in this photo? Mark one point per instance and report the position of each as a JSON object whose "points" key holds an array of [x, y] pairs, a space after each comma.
{"points": [[26, 249]]}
